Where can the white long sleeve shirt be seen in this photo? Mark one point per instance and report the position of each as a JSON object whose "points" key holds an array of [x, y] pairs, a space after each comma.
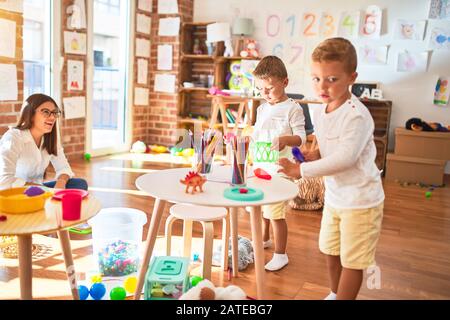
{"points": [[348, 152], [21, 161]]}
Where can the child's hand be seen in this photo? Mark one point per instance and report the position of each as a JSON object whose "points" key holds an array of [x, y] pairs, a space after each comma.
{"points": [[289, 168], [279, 143], [311, 155]]}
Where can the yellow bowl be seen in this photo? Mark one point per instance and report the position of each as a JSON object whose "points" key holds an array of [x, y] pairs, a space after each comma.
{"points": [[15, 201]]}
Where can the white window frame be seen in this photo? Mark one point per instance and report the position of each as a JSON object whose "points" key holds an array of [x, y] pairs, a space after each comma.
{"points": [[128, 90]]}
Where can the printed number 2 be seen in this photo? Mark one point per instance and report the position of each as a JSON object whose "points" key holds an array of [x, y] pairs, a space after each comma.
{"points": [[307, 32]]}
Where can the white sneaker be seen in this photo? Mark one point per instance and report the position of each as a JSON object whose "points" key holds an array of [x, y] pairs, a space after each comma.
{"points": [[248, 209], [331, 296], [267, 244], [279, 260]]}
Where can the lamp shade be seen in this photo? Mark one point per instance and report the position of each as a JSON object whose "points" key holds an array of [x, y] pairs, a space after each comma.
{"points": [[219, 31], [243, 26]]}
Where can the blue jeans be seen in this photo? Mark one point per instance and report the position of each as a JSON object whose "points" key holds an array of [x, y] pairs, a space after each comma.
{"points": [[74, 183]]}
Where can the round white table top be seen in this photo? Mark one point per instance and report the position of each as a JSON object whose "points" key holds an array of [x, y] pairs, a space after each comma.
{"points": [[47, 220], [166, 185]]}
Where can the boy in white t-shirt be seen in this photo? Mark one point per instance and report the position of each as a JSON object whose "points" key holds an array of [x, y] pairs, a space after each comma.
{"points": [[354, 196], [281, 121]]}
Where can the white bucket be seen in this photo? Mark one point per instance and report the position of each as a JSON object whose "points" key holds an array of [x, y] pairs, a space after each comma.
{"points": [[116, 238]]}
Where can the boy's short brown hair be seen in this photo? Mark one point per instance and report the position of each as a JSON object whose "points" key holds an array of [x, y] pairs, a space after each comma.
{"points": [[336, 49], [270, 67]]}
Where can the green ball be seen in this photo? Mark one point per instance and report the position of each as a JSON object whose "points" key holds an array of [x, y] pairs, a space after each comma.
{"points": [[195, 280], [428, 194], [118, 293], [87, 156]]}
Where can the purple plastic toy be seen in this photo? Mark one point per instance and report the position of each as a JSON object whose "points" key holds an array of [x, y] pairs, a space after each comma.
{"points": [[34, 191], [298, 155]]}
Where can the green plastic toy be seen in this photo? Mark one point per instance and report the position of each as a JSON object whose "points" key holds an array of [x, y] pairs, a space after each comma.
{"points": [[262, 152], [118, 293], [87, 156], [428, 194], [243, 194], [195, 280]]}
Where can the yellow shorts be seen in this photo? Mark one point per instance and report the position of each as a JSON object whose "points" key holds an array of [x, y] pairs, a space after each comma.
{"points": [[352, 234], [274, 211]]}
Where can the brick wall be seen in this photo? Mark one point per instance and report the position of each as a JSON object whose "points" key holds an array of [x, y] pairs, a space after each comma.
{"points": [[9, 110], [73, 131], [163, 108]]}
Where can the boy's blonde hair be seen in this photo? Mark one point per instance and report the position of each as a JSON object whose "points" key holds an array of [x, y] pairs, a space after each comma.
{"points": [[337, 49], [270, 67]]}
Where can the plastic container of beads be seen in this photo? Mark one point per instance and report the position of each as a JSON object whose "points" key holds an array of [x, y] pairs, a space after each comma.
{"points": [[117, 238]]}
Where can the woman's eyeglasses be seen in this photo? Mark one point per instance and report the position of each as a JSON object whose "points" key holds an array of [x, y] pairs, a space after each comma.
{"points": [[47, 113]]}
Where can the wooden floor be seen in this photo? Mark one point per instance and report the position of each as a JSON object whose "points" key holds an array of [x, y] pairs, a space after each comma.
{"points": [[413, 253]]}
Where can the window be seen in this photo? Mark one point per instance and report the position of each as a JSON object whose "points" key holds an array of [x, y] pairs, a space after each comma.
{"points": [[37, 46]]}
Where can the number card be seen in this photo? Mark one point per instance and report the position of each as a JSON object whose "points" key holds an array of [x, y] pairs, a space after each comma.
{"points": [[328, 25], [371, 26], [349, 24]]}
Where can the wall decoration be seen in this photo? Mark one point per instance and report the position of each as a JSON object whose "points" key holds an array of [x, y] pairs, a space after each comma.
{"points": [[75, 75], [74, 42], [409, 29]]}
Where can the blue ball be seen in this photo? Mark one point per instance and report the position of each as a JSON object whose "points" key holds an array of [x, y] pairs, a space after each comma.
{"points": [[83, 292], [97, 291]]}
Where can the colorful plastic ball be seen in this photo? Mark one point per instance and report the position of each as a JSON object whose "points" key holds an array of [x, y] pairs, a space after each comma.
{"points": [[428, 194], [96, 278], [195, 280], [87, 156], [97, 291], [130, 284], [118, 293], [83, 292]]}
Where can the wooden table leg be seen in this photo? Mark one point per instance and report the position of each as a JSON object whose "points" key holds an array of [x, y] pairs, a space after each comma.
{"points": [[64, 239], [256, 223], [155, 221], [234, 240], [225, 241], [25, 267]]}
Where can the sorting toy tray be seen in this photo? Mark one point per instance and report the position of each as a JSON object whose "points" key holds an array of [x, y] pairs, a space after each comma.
{"points": [[252, 194], [59, 194], [16, 201]]}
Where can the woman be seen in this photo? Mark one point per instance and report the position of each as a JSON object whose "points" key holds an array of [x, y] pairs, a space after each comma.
{"points": [[27, 149]]}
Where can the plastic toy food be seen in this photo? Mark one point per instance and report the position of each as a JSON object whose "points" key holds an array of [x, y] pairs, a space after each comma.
{"points": [[262, 174], [298, 155]]}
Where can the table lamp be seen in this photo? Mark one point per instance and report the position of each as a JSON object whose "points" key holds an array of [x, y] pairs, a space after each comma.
{"points": [[242, 27]]}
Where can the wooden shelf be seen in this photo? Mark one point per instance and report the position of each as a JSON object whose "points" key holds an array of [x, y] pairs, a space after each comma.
{"points": [[219, 58], [195, 24], [196, 57], [204, 123], [199, 89]]}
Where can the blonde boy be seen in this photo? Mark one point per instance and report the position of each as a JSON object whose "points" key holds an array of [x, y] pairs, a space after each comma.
{"points": [[281, 121], [354, 196]]}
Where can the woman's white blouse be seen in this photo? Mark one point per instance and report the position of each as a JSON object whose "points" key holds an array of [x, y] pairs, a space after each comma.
{"points": [[21, 161]]}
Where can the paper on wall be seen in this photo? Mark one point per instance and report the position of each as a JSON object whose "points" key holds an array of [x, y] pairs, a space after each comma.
{"points": [[439, 38], [143, 23], [165, 53], [372, 55], [12, 5], [409, 29], [371, 24], [142, 71], [8, 82], [74, 42], [165, 83], [75, 75], [142, 48], [145, 5], [167, 6], [74, 107], [169, 26], [76, 15], [141, 96], [412, 61], [7, 38]]}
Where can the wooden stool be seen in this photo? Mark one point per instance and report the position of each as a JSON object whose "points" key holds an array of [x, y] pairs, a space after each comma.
{"points": [[206, 216]]}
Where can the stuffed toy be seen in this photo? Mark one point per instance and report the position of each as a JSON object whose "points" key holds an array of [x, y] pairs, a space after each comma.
{"points": [[311, 194], [245, 253], [250, 50], [416, 124], [205, 290]]}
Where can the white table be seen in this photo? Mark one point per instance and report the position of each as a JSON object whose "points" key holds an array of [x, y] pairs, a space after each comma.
{"points": [[165, 186]]}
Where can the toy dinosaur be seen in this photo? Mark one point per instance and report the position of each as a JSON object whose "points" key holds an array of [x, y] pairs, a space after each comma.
{"points": [[193, 180]]}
